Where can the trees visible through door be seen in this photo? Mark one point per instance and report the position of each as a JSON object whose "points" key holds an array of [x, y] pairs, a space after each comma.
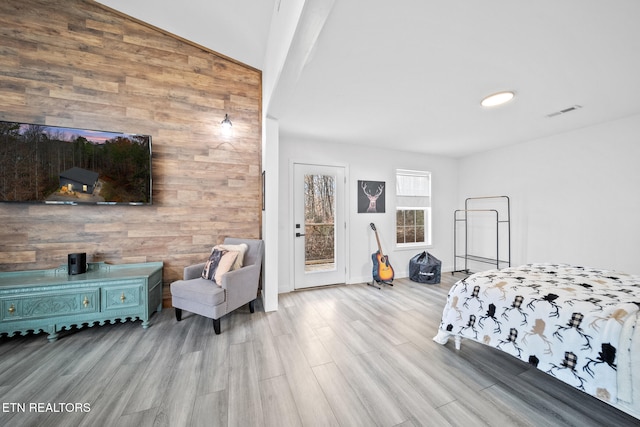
{"points": [[319, 213]]}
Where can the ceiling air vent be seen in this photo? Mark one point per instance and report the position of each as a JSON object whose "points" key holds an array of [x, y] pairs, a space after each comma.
{"points": [[565, 110]]}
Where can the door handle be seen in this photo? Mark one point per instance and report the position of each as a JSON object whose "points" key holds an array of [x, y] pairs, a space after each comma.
{"points": [[299, 234]]}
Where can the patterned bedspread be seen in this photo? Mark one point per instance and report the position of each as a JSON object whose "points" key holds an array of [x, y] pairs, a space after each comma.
{"points": [[564, 320]]}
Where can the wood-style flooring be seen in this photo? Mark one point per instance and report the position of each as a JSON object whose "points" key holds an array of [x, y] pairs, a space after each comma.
{"points": [[335, 356]]}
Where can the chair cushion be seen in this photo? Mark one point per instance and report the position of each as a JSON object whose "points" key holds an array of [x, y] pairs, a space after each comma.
{"points": [[200, 290]]}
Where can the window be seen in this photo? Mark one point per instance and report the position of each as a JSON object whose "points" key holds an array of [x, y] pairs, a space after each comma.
{"points": [[413, 207]]}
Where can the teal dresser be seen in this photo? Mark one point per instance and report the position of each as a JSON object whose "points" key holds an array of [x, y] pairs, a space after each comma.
{"points": [[51, 300]]}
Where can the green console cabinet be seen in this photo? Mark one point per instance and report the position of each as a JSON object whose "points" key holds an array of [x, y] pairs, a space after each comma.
{"points": [[51, 300]]}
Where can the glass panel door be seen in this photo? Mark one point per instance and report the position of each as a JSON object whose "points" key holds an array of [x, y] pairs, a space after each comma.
{"points": [[319, 227]]}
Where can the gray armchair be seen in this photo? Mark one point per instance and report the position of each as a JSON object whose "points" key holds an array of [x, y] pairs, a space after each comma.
{"points": [[238, 287]]}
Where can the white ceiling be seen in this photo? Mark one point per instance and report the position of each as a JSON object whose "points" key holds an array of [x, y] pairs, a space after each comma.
{"points": [[410, 75]]}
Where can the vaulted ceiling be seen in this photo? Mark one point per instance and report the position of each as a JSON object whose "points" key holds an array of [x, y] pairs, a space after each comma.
{"points": [[410, 75]]}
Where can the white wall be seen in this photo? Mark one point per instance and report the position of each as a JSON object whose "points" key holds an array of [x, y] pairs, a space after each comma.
{"points": [[575, 196], [284, 21], [376, 165], [270, 213]]}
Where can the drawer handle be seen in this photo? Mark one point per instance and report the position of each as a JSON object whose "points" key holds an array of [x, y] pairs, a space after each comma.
{"points": [[122, 298], [85, 302], [12, 309]]}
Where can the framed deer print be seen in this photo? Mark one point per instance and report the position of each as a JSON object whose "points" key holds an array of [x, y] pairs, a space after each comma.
{"points": [[371, 196]]}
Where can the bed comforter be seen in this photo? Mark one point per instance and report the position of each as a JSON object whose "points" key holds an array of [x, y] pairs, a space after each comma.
{"points": [[577, 324]]}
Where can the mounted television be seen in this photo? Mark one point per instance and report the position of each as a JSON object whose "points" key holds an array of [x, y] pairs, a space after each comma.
{"points": [[69, 166]]}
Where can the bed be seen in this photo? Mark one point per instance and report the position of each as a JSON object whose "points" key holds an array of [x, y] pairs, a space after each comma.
{"points": [[578, 324]]}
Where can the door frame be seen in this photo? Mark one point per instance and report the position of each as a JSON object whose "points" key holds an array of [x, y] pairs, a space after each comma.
{"points": [[291, 216]]}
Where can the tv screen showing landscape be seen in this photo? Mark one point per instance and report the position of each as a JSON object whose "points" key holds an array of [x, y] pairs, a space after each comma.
{"points": [[60, 165]]}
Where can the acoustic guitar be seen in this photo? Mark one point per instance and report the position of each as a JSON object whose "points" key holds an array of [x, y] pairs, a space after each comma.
{"points": [[382, 270]]}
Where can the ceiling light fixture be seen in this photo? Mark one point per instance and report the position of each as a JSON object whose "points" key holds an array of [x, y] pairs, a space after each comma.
{"points": [[497, 99], [226, 123]]}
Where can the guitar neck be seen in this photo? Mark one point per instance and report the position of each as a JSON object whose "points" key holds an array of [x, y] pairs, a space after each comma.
{"points": [[379, 246]]}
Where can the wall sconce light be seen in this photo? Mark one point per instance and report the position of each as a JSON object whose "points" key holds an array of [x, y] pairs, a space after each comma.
{"points": [[226, 123]]}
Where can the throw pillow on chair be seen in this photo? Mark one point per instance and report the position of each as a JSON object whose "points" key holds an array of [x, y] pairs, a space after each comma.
{"points": [[219, 263]]}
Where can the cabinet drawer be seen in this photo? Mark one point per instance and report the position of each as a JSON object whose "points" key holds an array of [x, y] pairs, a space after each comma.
{"points": [[122, 297], [36, 306]]}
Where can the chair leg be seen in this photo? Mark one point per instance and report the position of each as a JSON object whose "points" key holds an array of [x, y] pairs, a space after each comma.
{"points": [[216, 326], [252, 306], [178, 314]]}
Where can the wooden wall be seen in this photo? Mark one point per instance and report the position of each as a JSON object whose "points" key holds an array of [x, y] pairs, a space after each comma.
{"points": [[77, 63]]}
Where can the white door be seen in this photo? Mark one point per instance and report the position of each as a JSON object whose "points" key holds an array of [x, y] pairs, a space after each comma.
{"points": [[319, 225]]}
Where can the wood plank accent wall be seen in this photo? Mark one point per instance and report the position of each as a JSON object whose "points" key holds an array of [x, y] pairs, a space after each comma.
{"points": [[80, 64]]}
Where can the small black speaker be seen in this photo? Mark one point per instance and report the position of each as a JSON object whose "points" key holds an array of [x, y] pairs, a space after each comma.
{"points": [[77, 263]]}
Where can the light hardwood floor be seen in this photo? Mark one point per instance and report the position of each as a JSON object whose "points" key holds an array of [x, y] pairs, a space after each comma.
{"points": [[334, 356]]}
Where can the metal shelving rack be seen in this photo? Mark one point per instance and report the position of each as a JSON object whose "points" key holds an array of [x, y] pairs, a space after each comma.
{"points": [[502, 220]]}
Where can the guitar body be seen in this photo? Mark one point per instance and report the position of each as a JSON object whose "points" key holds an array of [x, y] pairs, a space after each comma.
{"points": [[382, 270]]}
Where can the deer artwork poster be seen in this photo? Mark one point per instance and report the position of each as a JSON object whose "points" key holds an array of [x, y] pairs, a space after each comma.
{"points": [[371, 196]]}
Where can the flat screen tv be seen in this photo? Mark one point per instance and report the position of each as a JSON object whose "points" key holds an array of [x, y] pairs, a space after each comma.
{"points": [[69, 166]]}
